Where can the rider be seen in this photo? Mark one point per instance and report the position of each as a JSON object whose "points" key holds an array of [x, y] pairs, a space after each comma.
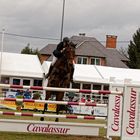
{"points": [[57, 53]]}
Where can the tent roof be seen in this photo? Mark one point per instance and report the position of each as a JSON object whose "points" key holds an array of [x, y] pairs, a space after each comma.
{"points": [[23, 65], [100, 74]]}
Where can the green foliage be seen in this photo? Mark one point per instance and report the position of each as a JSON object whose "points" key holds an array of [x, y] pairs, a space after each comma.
{"points": [[19, 103], [28, 50], [37, 95], [134, 51]]}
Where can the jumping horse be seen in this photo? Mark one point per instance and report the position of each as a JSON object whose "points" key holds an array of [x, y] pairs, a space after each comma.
{"points": [[61, 76]]}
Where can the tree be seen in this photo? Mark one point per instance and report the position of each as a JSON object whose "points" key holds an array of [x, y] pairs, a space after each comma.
{"points": [[134, 51], [124, 51], [28, 50]]}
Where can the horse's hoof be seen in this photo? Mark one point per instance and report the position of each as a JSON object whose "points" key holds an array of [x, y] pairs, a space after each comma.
{"points": [[42, 119], [56, 120]]}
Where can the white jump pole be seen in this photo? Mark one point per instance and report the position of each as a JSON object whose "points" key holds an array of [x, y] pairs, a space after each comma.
{"points": [[54, 102], [51, 115], [104, 92]]}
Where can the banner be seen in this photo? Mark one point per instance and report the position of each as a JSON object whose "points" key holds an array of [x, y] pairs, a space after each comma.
{"points": [[90, 110], [131, 109], [48, 127], [27, 105], [115, 112]]}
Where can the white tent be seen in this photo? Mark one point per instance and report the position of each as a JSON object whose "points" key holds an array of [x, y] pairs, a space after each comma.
{"points": [[100, 74], [21, 65]]}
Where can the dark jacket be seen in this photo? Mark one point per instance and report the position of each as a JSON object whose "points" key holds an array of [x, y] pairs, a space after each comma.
{"points": [[60, 46], [57, 52]]}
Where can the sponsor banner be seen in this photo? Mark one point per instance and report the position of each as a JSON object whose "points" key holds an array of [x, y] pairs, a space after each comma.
{"points": [[90, 110], [10, 104], [115, 112], [27, 105], [52, 107], [130, 112], [39, 106], [48, 128]]}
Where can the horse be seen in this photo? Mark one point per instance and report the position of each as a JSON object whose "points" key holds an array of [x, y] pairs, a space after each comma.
{"points": [[61, 76]]}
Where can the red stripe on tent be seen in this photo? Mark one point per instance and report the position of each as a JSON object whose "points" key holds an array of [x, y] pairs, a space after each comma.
{"points": [[16, 86], [84, 91], [36, 88]]}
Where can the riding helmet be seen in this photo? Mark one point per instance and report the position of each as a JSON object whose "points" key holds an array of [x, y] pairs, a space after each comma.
{"points": [[66, 39]]}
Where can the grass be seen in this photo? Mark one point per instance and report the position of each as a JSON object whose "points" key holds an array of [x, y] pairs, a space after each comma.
{"points": [[23, 136]]}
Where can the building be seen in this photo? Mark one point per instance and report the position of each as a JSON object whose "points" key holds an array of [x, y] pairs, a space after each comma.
{"points": [[93, 77], [90, 51], [21, 69]]}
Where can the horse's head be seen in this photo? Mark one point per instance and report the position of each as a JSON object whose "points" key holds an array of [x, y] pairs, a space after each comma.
{"points": [[69, 52]]}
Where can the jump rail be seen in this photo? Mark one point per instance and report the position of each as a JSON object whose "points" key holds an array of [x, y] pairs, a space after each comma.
{"points": [[53, 123], [52, 116], [54, 102], [104, 92]]}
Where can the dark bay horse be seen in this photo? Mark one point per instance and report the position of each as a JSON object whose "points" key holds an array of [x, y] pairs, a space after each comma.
{"points": [[60, 75]]}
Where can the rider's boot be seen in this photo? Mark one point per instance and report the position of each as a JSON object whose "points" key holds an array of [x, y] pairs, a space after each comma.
{"points": [[50, 70]]}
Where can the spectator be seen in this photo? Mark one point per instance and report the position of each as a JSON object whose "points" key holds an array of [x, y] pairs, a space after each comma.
{"points": [[88, 99], [19, 93], [27, 94], [83, 99]]}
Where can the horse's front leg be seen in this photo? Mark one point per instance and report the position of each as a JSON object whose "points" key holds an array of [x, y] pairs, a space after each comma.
{"points": [[57, 112], [45, 105], [59, 97]]}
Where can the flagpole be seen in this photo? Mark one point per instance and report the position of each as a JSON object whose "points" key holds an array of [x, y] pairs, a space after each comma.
{"points": [[2, 39], [62, 23]]}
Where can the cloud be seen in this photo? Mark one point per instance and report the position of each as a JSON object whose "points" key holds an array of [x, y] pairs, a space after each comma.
{"points": [[42, 18]]}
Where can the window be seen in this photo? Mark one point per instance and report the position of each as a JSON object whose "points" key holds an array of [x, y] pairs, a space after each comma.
{"points": [[76, 85], [37, 83], [16, 81], [86, 86], [106, 87], [5, 80], [95, 61], [96, 87], [96, 97], [82, 60], [26, 82]]}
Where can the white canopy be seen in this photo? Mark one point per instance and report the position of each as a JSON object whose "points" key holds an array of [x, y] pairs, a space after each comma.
{"points": [[22, 65], [100, 74]]}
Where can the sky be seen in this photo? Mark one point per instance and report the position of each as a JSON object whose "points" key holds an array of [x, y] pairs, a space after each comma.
{"points": [[38, 22]]}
